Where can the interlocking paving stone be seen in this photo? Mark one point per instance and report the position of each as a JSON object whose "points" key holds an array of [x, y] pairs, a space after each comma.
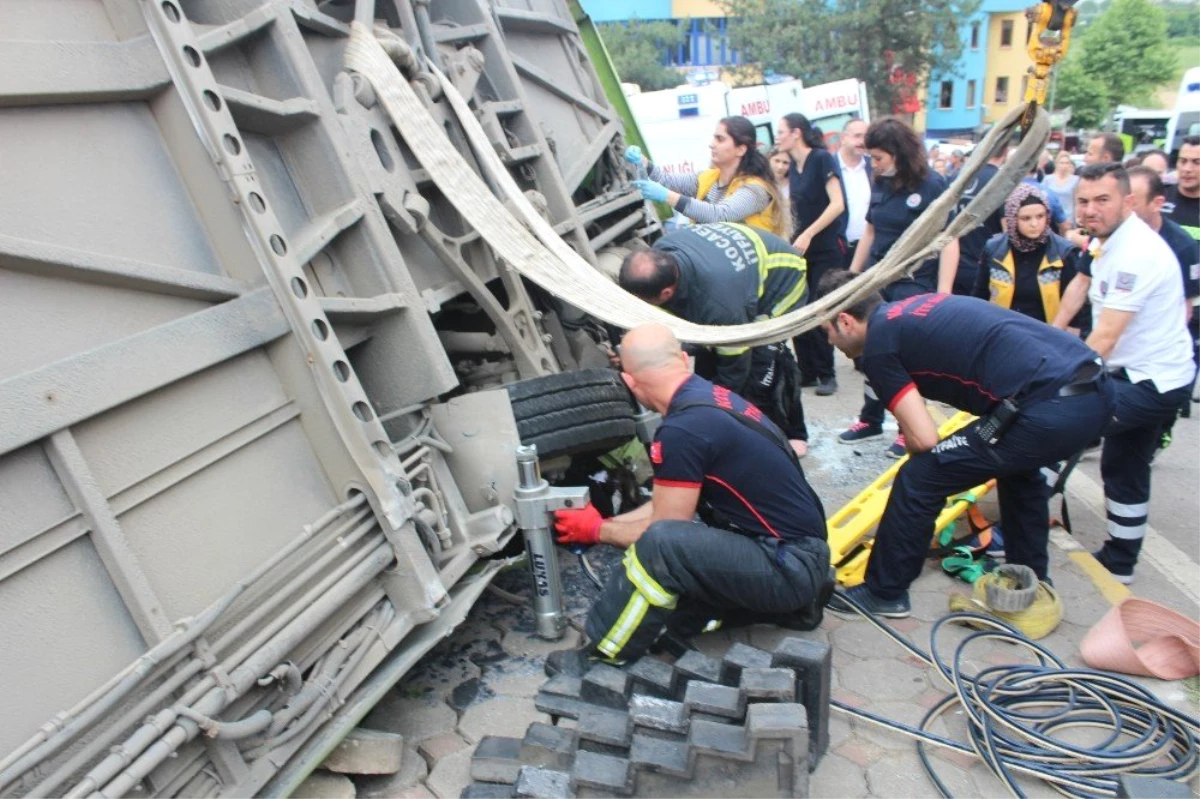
{"points": [[812, 662], [549, 746], [836, 776], [739, 657], [885, 680], [415, 719], [413, 769], [325, 785], [488, 790], [716, 700], [366, 751], [450, 775], [563, 685], [654, 677], [606, 726], [655, 754], [778, 685], [658, 714], [558, 705], [497, 759], [604, 772], [606, 685], [697, 666], [540, 783], [718, 739], [776, 720], [497, 716]]}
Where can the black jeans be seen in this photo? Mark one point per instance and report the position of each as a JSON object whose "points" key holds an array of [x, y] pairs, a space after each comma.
{"points": [[1129, 443], [1046, 432], [813, 350], [699, 573]]}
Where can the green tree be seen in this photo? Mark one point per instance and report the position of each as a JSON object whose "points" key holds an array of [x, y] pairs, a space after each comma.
{"points": [[1125, 48], [636, 48], [1183, 20], [824, 40], [1084, 94]]}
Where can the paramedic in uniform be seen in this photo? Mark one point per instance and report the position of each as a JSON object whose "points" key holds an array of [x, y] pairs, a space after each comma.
{"points": [[1139, 326], [729, 274], [1045, 389], [758, 555]]}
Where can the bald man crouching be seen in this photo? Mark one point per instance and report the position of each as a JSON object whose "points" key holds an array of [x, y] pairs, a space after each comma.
{"points": [[759, 552]]}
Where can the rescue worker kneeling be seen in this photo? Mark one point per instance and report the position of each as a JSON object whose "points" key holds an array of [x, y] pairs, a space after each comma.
{"points": [[759, 554], [1041, 394]]}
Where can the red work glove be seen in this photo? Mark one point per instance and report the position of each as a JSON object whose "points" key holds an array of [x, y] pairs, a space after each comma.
{"points": [[578, 526]]}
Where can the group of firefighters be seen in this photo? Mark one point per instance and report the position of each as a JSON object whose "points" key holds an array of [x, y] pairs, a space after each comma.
{"points": [[733, 532]]}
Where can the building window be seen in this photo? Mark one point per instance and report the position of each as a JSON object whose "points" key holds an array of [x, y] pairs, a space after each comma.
{"points": [[970, 94], [1006, 32], [1001, 91], [1028, 31], [974, 35], [946, 96]]}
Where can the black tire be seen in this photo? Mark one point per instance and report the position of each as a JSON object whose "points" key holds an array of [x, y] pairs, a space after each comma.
{"points": [[572, 413]]}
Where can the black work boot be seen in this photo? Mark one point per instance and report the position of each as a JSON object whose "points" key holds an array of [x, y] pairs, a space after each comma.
{"points": [[576, 662], [811, 616]]}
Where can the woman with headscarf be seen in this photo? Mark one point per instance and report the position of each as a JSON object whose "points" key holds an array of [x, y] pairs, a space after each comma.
{"points": [[1027, 267], [738, 187]]}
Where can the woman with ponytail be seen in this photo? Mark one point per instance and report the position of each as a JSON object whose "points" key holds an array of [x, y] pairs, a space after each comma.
{"points": [[738, 187], [819, 219]]}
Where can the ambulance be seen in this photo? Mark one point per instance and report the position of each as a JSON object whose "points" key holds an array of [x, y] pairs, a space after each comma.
{"points": [[677, 124]]}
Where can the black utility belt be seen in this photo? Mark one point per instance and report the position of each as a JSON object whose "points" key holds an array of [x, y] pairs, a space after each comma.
{"points": [[1086, 379]]}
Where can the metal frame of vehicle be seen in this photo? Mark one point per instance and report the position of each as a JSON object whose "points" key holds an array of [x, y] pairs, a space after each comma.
{"points": [[250, 454]]}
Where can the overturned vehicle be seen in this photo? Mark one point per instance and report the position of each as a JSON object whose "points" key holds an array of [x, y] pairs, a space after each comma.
{"points": [[265, 379]]}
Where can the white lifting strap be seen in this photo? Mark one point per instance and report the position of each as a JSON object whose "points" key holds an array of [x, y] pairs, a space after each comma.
{"points": [[543, 257]]}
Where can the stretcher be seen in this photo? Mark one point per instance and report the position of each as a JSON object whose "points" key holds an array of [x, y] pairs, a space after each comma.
{"points": [[850, 530]]}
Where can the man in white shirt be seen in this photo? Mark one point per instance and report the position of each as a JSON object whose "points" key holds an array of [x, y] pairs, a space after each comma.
{"points": [[856, 177], [1140, 329]]}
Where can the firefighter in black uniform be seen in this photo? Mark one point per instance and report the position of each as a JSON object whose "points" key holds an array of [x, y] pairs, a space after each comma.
{"points": [[758, 555], [1041, 395], [731, 274]]}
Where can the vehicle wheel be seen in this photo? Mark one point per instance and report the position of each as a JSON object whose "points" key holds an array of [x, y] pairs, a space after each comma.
{"points": [[571, 413]]}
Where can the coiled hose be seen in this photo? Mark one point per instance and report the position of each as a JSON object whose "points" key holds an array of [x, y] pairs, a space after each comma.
{"points": [[1015, 712]]}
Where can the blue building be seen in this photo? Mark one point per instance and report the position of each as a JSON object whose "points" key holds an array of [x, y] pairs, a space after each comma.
{"points": [[959, 101], [705, 43]]}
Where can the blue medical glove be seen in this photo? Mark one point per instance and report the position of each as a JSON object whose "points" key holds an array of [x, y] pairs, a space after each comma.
{"points": [[654, 192], [633, 154]]}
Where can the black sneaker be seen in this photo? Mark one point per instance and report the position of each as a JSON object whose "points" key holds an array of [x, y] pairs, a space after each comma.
{"points": [[826, 386], [887, 608], [1122, 574], [859, 431], [898, 449], [807, 382]]}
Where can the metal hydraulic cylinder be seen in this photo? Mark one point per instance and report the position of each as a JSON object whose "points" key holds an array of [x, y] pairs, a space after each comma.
{"points": [[536, 500]]}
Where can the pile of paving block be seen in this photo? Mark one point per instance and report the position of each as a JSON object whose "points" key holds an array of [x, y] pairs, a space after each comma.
{"points": [[753, 723]]}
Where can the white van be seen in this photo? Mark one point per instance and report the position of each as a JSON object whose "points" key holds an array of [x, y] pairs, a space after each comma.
{"points": [[1185, 119], [677, 124]]}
